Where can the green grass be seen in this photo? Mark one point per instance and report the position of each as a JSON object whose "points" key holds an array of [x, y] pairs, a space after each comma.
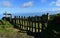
{"points": [[4, 28]]}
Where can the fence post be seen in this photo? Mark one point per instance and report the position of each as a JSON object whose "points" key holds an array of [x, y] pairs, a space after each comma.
{"points": [[35, 23], [48, 18], [29, 23], [19, 19], [42, 22], [22, 21], [38, 28], [38, 25], [19, 22], [12, 21], [11, 18], [15, 21], [32, 24]]}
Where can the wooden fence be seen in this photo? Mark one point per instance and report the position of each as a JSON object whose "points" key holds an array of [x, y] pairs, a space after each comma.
{"points": [[31, 24]]}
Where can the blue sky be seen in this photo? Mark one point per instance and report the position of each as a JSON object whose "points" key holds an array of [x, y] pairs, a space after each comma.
{"points": [[28, 6]]}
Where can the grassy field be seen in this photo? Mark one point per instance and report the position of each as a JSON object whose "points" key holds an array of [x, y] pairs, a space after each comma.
{"points": [[7, 30]]}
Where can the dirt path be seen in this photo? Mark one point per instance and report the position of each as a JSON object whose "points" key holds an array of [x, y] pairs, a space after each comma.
{"points": [[17, 34]]}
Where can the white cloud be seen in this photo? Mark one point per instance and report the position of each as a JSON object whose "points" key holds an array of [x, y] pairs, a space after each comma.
{"points": [[27, 4], [56, 3], [52, 3], [55, 9], [5, 4]]}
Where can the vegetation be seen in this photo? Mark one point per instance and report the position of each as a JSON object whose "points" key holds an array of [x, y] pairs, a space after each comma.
{"points": [[6, 28]]}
